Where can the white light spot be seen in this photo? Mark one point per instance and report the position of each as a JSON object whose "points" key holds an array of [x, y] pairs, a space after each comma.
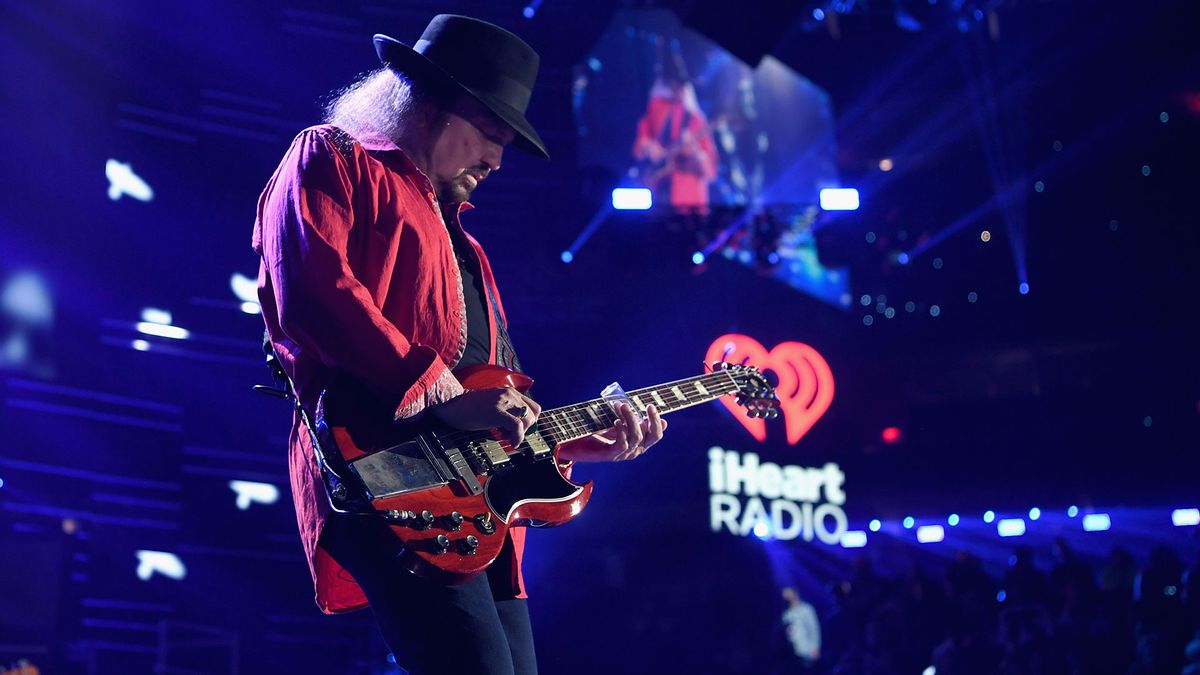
{"points": [[839, 199], [632, 199], [244, 288], [159, 330], [854, 539], [155, 315], [27, 298], [166, 564], [250, 492], [123, 181]]}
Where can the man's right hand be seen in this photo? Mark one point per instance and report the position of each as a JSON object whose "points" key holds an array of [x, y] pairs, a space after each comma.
{"points": [[502, 408]]}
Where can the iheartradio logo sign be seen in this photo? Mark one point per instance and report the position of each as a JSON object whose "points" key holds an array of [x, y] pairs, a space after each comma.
{"points": [[805, 387]]}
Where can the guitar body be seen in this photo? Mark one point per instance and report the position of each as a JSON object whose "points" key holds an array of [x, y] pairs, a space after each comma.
{"points": [[410, 475], [450, 496]]}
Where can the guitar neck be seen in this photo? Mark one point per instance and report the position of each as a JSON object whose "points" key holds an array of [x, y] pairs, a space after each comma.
{"points": [[583, 419]]}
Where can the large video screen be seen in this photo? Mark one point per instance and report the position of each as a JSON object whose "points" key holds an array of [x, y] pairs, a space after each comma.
{"points": [[659, 106]]}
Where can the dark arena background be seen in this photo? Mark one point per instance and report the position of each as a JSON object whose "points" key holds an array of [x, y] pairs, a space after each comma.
{"points": [[988, 459]]}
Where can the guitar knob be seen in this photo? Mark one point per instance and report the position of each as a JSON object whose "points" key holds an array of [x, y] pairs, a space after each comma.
{"points": [[469, 545], [424, 520], [397, 516], [456, 521], [441, 544]]}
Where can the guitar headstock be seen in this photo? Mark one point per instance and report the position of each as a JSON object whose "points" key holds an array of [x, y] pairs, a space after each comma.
{"points": [[754, 392]]}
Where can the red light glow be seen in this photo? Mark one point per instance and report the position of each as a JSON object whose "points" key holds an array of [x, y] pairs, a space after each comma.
{"points": [[805, 386]]}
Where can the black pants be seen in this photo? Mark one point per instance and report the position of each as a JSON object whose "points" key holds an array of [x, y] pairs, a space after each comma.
{"points": [[432, 628]]}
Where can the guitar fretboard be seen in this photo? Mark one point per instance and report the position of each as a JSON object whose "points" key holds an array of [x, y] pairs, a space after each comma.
{"points": [[559, 425]]}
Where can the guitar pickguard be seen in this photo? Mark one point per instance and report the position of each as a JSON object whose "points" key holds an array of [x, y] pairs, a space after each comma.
{"points": [[532, 480]]}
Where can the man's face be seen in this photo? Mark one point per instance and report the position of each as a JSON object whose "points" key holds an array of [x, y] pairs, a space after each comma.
{"points": [[469, 147]]}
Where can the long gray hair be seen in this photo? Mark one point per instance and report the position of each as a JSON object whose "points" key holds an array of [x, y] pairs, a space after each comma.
{"points": [[383, 105]]}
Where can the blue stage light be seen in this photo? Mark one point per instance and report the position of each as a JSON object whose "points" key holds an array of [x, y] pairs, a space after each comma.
{"points": [[875, 525], [1035, 513], [698, 258], [902, 258], [1096, 522], [1, 482], [567, 257], [1179, 517], [1024, 288], [953, 519], [632, 199], [854, 539], [762, 530], [1072, 511], [1011, 527], [909, 521], [1001, 596], [819, 15], [930, 534], [839, 199], [531, 9], [989, 516]]}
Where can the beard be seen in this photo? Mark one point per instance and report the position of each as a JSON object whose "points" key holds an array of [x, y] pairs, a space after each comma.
{"points": [[458, 189]]}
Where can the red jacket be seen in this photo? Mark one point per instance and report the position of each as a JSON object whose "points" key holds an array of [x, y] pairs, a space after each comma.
{"points": [[359, 276]]}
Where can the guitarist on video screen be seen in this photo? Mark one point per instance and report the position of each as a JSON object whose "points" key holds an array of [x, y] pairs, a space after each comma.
{"points": [[367, 274], [674, 149]]}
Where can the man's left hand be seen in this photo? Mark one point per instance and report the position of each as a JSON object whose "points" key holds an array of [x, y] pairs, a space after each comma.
{"points": [[625, 440]]}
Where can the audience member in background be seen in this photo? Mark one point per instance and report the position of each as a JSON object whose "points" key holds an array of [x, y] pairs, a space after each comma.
{"points": [[1024, 584], [803, 628], [1160, 626]]}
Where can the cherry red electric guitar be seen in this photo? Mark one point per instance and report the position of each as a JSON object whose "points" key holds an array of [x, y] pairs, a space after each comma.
{"points": [[451, 495]]}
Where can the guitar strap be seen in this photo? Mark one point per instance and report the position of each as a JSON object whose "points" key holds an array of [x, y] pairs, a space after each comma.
{"points": [[340, 497]]}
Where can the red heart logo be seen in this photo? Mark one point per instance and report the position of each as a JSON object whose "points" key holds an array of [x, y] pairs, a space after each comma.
{"points": [[805, 387]]}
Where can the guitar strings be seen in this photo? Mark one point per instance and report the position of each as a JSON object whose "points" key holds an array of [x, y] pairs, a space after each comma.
{"points": [[576, 421]]}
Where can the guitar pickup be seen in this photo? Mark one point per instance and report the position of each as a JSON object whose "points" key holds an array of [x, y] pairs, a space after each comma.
{"points": [[458, 464]]}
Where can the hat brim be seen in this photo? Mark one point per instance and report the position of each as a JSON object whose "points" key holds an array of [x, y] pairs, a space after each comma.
{"points": [[403, 58]]}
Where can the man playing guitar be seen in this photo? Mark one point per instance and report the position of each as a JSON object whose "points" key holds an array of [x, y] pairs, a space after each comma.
{"points": [[368, 275], [674, 149]]}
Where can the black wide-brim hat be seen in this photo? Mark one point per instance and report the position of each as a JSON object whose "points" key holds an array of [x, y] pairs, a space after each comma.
{"points": [[480, 58]]}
